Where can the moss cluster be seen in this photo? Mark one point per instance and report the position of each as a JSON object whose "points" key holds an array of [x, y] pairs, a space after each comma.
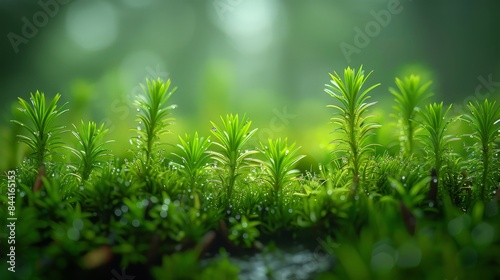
{"points": [[424, 212]]}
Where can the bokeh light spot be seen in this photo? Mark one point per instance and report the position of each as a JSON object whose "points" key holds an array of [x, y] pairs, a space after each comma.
{"points": [[92, 25]]}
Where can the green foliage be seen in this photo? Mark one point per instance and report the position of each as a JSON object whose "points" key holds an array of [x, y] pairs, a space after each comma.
{"points": [[90, 149], [105, 193], [43, 136], [410, 93], [153, 120], [411, 195], [456, 181], [243, 232], [277, 182], [389, 230], [188, 223], [280, 158], [485, 121], [221, 269], [385, 250], [351, 118], [325, 209], [153, 116], [134, 226], [232, 135], [436, 139], [185, 266], [193, 154], [334, 175]]}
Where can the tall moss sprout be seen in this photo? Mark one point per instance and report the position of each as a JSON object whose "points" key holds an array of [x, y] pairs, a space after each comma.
{"points": [[44, 133], [485, 120], [410, 93], [90, 148], [232, 137], [280, 159], [351, 117], [153, 117], [193, 153], [436, 139]]}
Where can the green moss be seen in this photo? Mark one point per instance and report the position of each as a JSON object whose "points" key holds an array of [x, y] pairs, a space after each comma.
{"points": [[159, 214]]}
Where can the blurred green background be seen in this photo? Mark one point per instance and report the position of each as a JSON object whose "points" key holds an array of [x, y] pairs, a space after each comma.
{"points": [[267, 58]]}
